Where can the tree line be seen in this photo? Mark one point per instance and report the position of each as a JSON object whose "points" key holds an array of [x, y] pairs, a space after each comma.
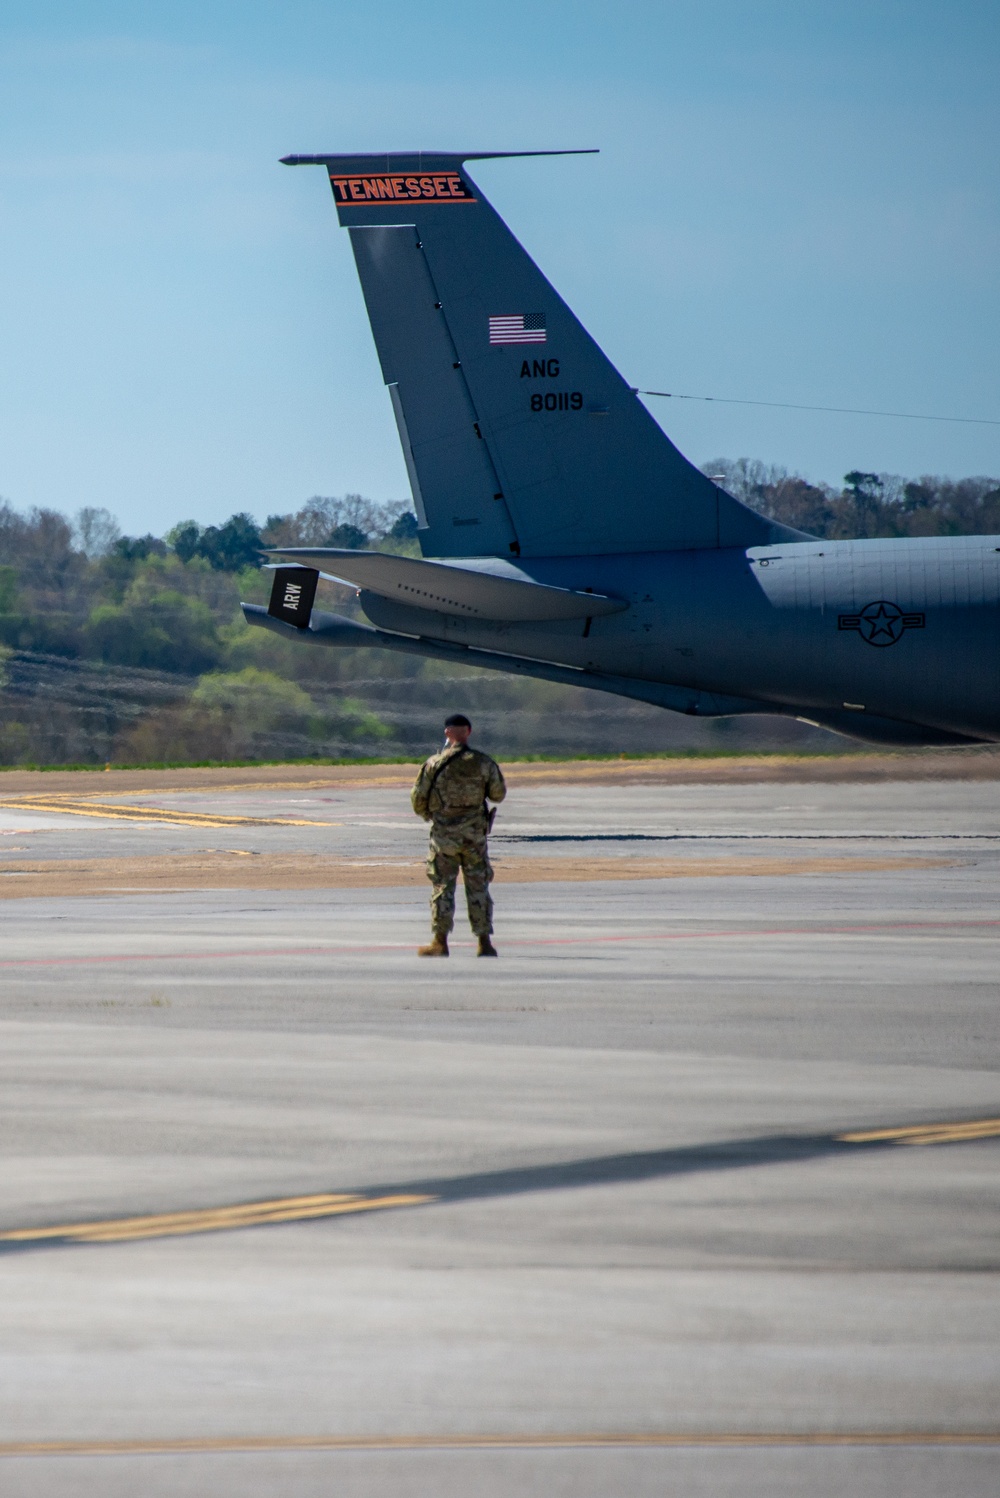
{"points": [[866, 505], [133, 648], [80, 588]]}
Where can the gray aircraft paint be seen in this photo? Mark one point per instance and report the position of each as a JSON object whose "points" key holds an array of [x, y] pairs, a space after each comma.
{"points": [[889, 640]]}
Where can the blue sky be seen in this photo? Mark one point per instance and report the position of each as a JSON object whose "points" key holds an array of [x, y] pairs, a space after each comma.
{"points": [[792, 203]]}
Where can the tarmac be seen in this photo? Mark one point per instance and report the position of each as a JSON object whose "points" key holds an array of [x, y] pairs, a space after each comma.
{"points": [[694, 1191]]}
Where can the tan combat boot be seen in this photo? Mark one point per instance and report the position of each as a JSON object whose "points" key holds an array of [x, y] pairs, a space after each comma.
{"points": [[437, 947], [486, 947]]}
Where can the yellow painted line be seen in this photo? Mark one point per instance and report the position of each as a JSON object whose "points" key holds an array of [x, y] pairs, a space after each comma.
{"points": [[168, 1219], [106, 811], [213, 1219], [193, 1445], [939, 1133], [330, 1204], [405, 777]]}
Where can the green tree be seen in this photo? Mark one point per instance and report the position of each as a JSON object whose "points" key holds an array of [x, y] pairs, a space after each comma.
{"points": [[863, 491], [233, 546], [404, 527], [138, 548], [154, 627], [8, 589], [349, 537], [227, 548], [255, 701], [184, 538]]}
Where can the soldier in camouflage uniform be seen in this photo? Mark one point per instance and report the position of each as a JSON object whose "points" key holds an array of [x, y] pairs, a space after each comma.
{"points": [[451, 793]]}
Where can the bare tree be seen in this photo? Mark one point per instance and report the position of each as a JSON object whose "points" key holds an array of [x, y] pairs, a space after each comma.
{"points": [[324, 516], [95, 531]]}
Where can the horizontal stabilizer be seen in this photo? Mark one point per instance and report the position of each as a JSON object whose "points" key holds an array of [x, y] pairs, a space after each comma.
{"points": [[449, 589]]}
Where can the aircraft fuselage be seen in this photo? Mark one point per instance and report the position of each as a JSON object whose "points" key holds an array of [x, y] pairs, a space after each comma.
{"points": [[903, 629]]}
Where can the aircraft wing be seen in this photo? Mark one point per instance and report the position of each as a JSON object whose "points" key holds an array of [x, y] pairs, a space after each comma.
{"points": [[465, 591]]}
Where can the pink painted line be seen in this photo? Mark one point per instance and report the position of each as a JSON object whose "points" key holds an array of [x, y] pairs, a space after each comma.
{"points": [[200, 956], [887, 926], [875, 928]]}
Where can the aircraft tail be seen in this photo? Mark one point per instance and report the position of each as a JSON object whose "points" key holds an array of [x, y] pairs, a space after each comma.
{"points": [[520, 436]]}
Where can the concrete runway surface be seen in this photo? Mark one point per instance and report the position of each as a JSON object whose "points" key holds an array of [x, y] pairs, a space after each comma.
{"points": [[694, 1191]]}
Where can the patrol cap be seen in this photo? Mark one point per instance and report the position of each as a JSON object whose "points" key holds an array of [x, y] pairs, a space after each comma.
{"points": [[457, 720]]}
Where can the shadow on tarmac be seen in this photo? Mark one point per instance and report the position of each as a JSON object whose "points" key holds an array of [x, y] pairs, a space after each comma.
{"points": [[599, 1170]]}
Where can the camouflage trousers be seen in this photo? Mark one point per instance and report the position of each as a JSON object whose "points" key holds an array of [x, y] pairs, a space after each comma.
{"points": [[448, 853]]}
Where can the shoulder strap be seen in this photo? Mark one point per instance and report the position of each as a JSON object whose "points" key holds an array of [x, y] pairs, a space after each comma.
{"points": [[461, 749]]}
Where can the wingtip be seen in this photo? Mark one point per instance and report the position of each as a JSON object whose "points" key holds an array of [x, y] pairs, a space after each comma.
{"points": [[504, 155]]}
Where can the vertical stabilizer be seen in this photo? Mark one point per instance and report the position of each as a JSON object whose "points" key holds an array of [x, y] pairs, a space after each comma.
{"points": [[519, 434]]}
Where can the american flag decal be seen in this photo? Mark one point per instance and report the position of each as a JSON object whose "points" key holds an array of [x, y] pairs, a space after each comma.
{"points": [[518, 327]]}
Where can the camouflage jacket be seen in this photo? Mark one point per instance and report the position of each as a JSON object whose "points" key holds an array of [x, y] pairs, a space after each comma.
{"points": [[453, 785]]}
